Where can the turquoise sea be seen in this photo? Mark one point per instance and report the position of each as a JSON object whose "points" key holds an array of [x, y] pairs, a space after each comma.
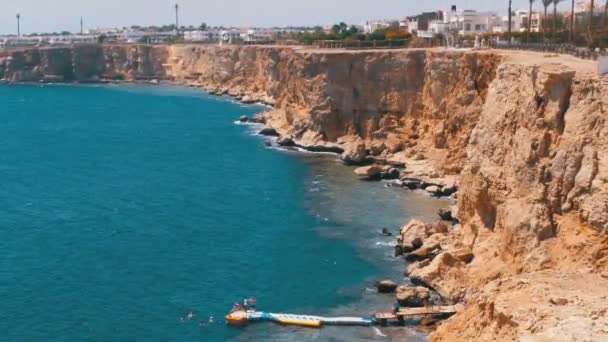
{"points": [[123, 208]]}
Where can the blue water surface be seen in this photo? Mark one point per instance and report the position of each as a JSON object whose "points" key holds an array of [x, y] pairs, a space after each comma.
{"points": [[123, 208]]}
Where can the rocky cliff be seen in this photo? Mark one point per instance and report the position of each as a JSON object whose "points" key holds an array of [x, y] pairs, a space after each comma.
{"points": [[524, 135], [84, 63]]}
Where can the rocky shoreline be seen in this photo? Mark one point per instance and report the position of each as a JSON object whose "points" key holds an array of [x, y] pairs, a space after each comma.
{"points": [[521, 137]]}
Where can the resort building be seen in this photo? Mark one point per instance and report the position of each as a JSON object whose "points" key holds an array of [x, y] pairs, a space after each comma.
{"points": [[375, 25], [425, 25], [72, 39], [471, 22], [13, 41]]}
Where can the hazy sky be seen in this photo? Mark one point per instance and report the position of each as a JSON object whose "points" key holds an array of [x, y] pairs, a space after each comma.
{"points": [[58, 15]]}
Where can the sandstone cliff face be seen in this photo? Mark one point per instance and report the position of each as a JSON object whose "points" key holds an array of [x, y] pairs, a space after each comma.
{"points": [[418, 102], [527, 141], [84, 63], [533, 203]]}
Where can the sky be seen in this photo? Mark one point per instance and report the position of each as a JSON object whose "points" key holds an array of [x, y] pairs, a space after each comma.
{"points": [[64, 15]]}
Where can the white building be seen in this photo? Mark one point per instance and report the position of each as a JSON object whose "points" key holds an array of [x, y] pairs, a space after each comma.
{"points": [[471, 22], [375, 25], [20, 41], [72, 39], [137, 36], [197, 36], [519, 22], [257, 35], [230, 36]]}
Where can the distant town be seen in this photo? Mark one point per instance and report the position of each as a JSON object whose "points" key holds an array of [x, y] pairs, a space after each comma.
{"points": [[452, 22]]}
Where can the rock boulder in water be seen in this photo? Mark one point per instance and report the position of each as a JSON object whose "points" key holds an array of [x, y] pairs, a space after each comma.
{"points": [[286, 142], [391, 174], [386, 286], [433, 189], [268, 131], [386, 232], [445, 214], [372, 172], [244, 118]]}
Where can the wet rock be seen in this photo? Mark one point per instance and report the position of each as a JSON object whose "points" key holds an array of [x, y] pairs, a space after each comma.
{"points": [[449, 189], [433, 189], [355, 154], [268, 131], [391, 174], [323, 148], [286, 142], [244, 118], [445, 214], [372, 172], [386, 232], [413, 296], [398, 250], [411, 184], [259, 119], [386, 286]]}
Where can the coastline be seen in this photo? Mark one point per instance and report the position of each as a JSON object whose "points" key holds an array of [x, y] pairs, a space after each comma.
{"points": [[521, 135]]}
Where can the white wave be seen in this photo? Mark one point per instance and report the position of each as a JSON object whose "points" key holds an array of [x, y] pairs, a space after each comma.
{"points": [[386, 243], [378, 332]]}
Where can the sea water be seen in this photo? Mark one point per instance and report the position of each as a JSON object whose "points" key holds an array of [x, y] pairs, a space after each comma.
{"points": [[124, 208]]}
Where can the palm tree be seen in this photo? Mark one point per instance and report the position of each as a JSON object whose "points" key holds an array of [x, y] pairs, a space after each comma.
{"points": [[590, 29], [572, 23], [546, 4], [529, 21], [177, 17], [510, 18], [604, 28], [555, 2], [18, 25], [591, 8]]}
